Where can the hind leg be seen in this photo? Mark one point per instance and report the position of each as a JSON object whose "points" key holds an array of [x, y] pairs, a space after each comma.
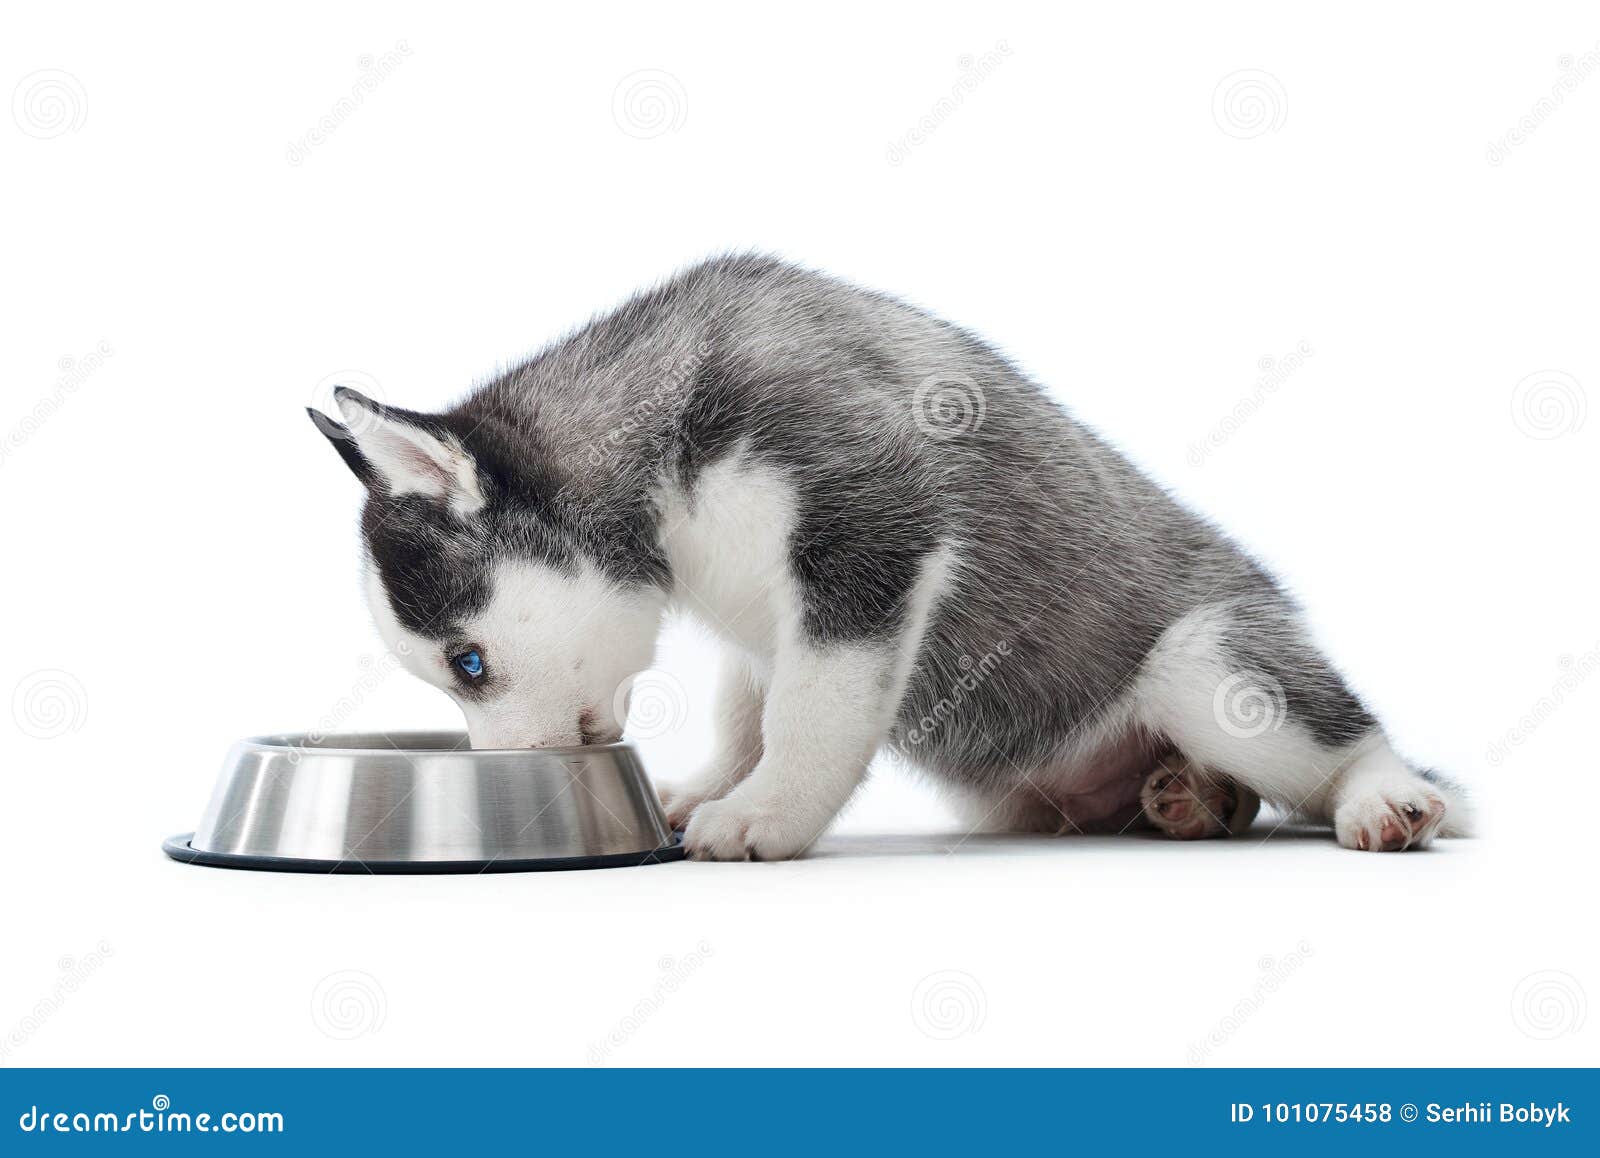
{"points": [[1374, 800], [1382, 805], [1244, 695]]}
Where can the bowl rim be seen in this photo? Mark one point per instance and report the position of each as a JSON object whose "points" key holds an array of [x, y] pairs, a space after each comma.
{"points": [[286, 742]]}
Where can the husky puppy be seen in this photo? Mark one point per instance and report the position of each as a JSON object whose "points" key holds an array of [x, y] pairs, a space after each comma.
{"points": [[898, 538]]}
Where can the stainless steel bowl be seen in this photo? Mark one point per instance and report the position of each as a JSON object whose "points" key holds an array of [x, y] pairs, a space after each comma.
{"points": [[426, 802]]}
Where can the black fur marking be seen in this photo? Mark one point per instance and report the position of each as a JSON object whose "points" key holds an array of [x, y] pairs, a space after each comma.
{"points": [[866, 524], [434, 574], [345, 444]]}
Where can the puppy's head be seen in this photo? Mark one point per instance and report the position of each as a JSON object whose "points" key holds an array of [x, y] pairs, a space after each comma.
{"points": [[479, 593]]}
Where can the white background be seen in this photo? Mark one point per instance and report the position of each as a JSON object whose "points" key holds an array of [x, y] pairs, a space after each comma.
{"points": [[180, 543]]}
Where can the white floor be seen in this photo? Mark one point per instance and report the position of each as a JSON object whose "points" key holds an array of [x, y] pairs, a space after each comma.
{"points": [[918, 948]]}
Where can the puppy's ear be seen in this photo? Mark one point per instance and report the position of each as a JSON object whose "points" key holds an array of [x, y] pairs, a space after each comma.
{"points": [[402, 453], [345, 443]]}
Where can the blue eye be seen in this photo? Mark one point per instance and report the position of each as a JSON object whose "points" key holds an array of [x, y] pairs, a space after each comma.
{"points": [[470, 663]]}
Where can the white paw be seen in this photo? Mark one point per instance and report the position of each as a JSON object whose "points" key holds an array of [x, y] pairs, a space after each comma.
{"points": [[739, 828], [1185, 802], [679, 801], [711, 782], [1389, 815]]}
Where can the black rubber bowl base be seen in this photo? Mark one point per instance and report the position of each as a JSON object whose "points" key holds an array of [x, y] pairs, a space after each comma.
{"points": [[177, 848]]}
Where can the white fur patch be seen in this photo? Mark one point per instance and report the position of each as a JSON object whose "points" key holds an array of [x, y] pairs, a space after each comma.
{"points": [[556, 647], [729, 549]]}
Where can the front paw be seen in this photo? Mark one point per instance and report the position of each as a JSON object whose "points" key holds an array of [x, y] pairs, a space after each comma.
{"points": [[679, 802], [711, 782], [739, 828]]}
